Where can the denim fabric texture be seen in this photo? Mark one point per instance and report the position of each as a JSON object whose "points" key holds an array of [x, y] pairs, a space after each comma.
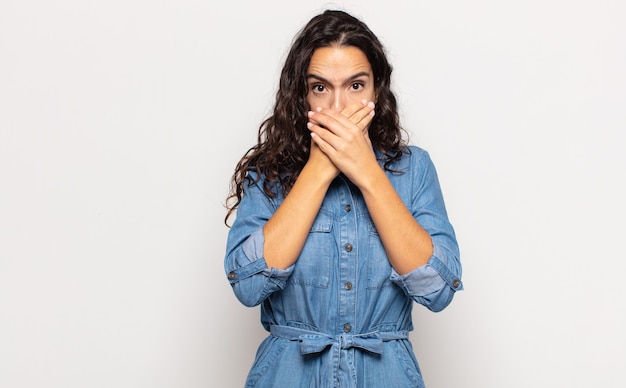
{"points": [[340, 316]]}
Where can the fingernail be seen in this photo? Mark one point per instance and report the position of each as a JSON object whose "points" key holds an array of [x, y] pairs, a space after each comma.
{"points": [[319, 108], [371, 104]]}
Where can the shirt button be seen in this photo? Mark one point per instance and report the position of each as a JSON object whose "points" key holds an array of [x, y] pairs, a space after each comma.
{"points": [[347, 328], [456, 283], [231, 275], [348, 208], [348, 247], [348, 286]]}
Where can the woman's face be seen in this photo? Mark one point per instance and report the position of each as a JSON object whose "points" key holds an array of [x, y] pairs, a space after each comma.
{"points": [[338, 77]]}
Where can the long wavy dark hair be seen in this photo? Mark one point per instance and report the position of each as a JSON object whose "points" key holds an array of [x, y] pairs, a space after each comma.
{"points": [[284, 141]]}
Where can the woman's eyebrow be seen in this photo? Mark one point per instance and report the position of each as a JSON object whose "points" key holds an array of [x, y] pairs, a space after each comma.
{"points": [[347, 81]]}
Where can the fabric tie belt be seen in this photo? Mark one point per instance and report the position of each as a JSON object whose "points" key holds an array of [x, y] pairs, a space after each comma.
{"points": [[314, 342]]}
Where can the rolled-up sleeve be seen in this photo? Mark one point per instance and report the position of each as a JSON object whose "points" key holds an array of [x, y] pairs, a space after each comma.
{"points": [[247, 272], [432, 285], [435, 283]]}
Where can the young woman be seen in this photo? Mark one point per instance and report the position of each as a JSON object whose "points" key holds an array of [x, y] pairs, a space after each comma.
{"points": [[340, 225]]}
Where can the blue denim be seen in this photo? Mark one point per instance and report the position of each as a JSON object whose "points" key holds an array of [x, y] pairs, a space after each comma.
{"points": [[340, 316]]}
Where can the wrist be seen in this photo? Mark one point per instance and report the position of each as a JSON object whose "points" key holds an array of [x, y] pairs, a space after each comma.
{"points": [[324, 173], [320, 166], [370, 179]]}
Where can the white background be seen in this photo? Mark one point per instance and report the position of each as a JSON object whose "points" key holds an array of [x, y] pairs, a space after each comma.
{"points": [[121, 122]]}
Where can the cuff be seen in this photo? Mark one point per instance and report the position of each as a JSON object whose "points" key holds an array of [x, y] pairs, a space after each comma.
{"points": [[429, 278], [253, 262]]}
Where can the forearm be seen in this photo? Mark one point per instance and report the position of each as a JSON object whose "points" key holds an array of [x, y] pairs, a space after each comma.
{"points": [[407, 244], [286, 231]]}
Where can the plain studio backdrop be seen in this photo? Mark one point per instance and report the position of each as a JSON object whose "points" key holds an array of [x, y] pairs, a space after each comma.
{"points": [[121, 123]]}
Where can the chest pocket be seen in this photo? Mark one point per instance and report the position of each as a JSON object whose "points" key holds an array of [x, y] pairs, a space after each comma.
{"points": [[378, 266], [313, 267]]}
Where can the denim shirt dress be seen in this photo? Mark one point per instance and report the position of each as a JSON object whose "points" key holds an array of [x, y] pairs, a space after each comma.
{"points": [[340, 316]]}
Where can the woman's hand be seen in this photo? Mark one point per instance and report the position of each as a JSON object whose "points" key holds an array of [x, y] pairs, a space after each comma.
{"points": [[343, 138]]}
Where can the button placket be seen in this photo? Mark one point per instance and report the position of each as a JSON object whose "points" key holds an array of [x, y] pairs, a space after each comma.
{"points": [[347, 240]]}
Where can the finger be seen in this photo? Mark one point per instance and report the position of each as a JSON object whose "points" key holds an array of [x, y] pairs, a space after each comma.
{"points": [[365, 121], [318, 139], [356, 112], [315, 116], [363, 116], [319, 131], [350, 110], [330, 120], [328, 140], [365, 109]]}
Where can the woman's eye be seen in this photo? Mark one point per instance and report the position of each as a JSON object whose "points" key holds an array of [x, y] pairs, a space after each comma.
{"points": [[318, 88], [357, 86]]}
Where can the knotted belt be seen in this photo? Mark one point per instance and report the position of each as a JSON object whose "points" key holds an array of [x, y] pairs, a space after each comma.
{"points": [[314, 342]]}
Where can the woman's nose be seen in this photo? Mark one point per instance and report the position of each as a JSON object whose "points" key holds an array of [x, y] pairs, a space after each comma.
{"points": [[338, 102]]}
